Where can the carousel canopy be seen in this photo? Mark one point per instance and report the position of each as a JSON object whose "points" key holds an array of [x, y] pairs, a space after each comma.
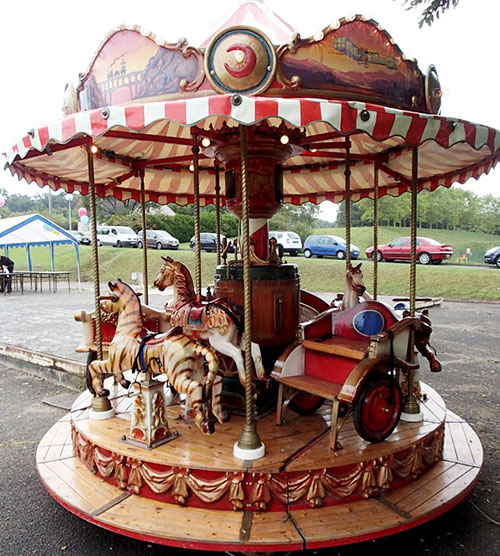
{"points": [[348, 92]]}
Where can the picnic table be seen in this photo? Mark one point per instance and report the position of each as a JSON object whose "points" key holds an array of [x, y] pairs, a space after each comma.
{"points": [[36, 279]]}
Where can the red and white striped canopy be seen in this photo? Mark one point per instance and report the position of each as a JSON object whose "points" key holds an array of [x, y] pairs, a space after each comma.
{"points": [[156, 137]]}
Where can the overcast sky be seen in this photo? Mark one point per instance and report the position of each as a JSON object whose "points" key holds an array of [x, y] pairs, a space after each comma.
{"points": [[46, 44]]}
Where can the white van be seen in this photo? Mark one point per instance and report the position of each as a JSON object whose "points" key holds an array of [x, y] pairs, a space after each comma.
{"points": [[289, 240], [117, 236]]}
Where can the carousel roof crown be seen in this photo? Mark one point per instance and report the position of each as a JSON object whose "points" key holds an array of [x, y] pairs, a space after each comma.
{"points": [[349, 88]]}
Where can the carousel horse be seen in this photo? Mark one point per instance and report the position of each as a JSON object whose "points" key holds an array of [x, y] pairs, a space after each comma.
{"points": [[179, 356], [217, 321], [423, 329], [355, 288]]}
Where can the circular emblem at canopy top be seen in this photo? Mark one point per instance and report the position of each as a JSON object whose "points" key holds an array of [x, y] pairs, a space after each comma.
{"points": [[240, 60], [368, 322]]}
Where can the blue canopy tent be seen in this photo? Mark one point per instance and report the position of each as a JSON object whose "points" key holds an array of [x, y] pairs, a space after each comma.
{"points": [[34, 230]]}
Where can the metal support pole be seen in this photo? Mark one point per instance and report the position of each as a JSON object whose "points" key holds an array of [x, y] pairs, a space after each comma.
{"points": [[413, 230], [411, 409], [95, 253], [249, 445], [217, 211], [375, 230], [100, 405], [347, 174], [195, 149], [144, 241]]}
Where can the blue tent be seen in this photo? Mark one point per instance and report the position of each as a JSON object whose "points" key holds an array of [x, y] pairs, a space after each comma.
{"points": [[33, 230]]}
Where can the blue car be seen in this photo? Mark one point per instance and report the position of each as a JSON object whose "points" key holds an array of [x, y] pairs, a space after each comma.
{"points": [[328, 246], [492, 256]]}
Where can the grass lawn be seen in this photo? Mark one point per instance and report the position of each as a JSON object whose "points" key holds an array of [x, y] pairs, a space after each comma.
{"points": [[318, 275]]}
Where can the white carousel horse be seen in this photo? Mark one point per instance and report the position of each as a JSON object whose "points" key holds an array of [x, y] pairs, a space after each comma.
{"points": [[217, 321], [179, 356], [355, 288]]}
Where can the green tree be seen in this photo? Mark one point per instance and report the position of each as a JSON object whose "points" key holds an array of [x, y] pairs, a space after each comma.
{"points": [[433, 9]]}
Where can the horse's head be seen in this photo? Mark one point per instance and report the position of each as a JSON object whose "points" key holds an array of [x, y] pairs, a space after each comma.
{"points": [[121, 295], [354, 277], [166, 275]]}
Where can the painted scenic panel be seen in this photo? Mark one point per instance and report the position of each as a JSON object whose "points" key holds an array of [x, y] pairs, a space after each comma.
{"points": [[358, 59], [130, 67]]}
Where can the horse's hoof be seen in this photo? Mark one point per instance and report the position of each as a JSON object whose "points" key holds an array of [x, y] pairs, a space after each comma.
{"points": [[207, 427], [224, 417], [103, 393], [125, 383]]}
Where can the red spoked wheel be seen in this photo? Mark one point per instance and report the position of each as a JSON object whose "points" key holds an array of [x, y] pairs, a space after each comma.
{"points": [[378, 409], [304, 403]]}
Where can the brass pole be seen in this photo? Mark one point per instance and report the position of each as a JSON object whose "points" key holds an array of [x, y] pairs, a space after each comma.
{"points": [[410, 405], [217, 211], [144, 241], [249, 438], [347, 174], [413, 230], [375, 230], [95, 254], [195, 149]]}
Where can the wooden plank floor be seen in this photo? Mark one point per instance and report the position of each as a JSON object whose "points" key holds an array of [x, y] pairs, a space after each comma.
{"points": [[197, 451], [84, 493], [442, 486]]}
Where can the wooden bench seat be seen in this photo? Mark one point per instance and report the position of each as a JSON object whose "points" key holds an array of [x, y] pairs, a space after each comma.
{"points": [[312, 385], [345, 347]]}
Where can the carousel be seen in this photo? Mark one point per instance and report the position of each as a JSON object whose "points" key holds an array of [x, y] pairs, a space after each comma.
{"points": [[247, 414]]}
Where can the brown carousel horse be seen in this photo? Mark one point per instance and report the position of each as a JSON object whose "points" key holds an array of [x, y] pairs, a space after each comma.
{"points": [[217, 321], [422, 326], [180, 357]]}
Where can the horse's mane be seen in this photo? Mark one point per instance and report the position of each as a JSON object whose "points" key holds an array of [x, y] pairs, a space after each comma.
{"points": [[183, 281]]}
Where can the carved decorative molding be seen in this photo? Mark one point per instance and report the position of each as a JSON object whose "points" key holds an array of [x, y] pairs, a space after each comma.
{"points": [[258, 490]]}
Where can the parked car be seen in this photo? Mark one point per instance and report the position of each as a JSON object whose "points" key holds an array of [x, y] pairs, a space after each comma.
{"points": [[290, 241], [81, 238], [158, 239], [208, 242], [117, 236], [328, 246], [492, 256], [428, 250]]}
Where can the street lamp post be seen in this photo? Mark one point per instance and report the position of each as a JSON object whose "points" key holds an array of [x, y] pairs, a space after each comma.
{"points": [[69, 198]]}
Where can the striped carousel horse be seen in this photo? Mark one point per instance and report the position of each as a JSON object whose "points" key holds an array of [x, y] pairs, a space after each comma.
{"points": [[180, 357], [217, 321]]}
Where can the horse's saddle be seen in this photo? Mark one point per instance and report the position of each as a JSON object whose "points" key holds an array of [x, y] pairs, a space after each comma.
{"points": [[200, 316]]}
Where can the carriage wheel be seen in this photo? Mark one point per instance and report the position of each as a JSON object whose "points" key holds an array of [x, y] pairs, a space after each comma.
{"points": [[304, 403], [378, 408]]}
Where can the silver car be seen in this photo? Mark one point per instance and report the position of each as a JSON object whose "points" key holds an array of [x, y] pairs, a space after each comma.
{"points": [[157, 239]]}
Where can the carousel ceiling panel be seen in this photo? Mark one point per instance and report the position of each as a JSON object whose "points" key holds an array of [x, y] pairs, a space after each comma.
{"points": [[157, 138]]}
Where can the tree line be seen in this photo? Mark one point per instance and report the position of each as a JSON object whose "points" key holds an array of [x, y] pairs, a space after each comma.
{"points": [[452, 209], [442, 209]]}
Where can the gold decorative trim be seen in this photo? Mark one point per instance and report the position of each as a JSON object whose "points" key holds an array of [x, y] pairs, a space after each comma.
{"points": [[258, 490]]}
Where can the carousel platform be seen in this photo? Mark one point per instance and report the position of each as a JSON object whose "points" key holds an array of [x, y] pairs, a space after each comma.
{"points": [[192, 492]]}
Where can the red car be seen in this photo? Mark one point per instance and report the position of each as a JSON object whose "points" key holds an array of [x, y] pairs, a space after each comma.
{"points": [[428, 250]]}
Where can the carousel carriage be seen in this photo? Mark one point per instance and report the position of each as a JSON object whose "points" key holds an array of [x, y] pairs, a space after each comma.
{"points": [[253, 120]]}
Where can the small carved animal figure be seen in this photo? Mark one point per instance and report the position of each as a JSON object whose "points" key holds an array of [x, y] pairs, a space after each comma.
{"points": [[216, 321], [423, 330], [180, 357]]}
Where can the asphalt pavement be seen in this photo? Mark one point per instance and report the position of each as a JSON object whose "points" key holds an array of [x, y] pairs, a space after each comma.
{"points": [[465, 336]]}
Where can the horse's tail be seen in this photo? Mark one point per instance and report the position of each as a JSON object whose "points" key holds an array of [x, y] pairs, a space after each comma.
{"points": [[212, 365]]}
